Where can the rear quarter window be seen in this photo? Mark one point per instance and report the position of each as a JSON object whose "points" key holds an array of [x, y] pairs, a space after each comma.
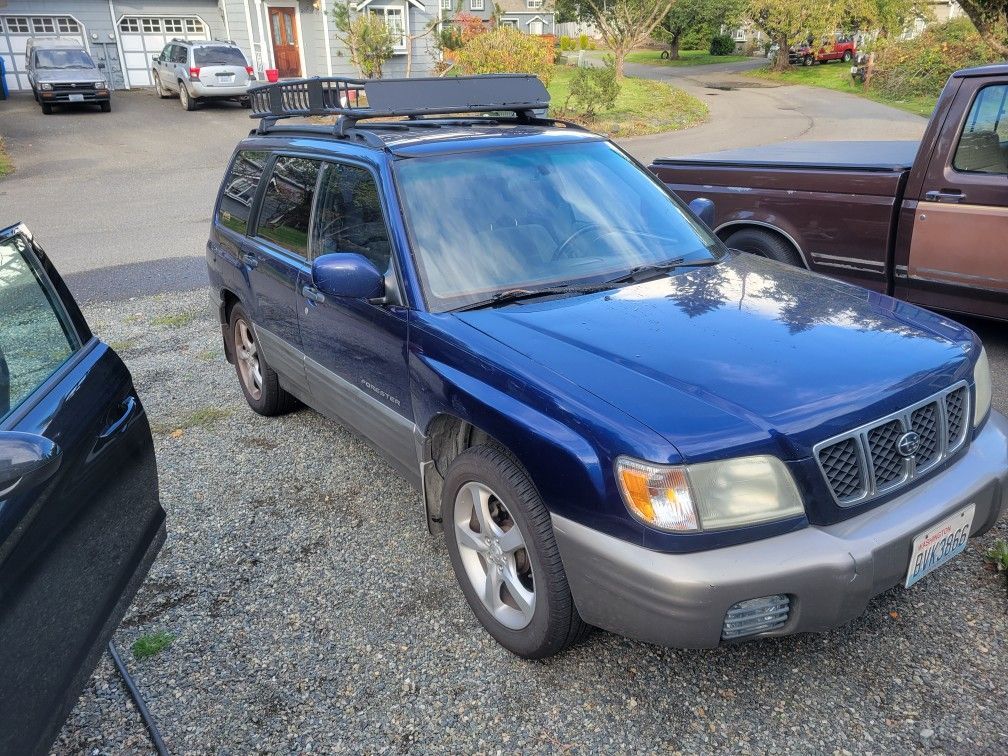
{"points": [[240, 188]]}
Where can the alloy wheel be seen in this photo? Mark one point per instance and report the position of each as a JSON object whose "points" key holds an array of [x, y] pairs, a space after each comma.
{"points": [[247, 355], [494, 555]]}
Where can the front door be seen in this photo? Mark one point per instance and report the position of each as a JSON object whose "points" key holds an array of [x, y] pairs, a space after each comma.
{"points": [[355, 350], [958, 257], [283, 30], [80, 519]]}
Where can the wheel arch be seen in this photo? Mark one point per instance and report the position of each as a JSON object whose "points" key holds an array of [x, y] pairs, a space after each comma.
{"points": [[727, 228], [227, 300]]}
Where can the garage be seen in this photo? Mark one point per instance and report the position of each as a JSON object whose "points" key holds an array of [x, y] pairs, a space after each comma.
{"points": [[143, 37], [17, 29]]}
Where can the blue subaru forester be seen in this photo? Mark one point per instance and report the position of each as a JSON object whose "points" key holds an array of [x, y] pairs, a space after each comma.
{"points": [[615, 420]]}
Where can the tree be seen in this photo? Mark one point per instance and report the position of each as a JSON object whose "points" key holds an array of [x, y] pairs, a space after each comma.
{"points": [[687, 15], [623, 24], [888, 17], [366, 36], [788, 22], [990, 17]]}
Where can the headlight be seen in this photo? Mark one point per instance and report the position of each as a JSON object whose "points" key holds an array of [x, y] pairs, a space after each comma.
{"points": [[100, 85], [982, 381], [710, 496], [45, 85]]}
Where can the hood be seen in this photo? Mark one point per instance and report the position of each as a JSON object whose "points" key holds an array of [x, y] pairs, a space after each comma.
{"points": [[61, 75], [742, 356]]}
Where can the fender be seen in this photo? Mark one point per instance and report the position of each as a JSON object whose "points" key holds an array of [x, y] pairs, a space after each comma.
{"points": [[755, 219]]}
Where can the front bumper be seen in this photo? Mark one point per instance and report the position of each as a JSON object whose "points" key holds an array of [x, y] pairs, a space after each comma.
{"points": [[88, 95], [830, 573]]}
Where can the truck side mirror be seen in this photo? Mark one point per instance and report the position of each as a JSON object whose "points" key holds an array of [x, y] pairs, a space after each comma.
{"points": [[703, 209], [347, 274]]}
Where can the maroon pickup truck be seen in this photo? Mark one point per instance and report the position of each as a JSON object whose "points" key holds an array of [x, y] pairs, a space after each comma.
{"points": [[926, 222]]}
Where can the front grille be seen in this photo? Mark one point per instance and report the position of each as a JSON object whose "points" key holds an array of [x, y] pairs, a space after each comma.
{"points": [[77, 86], [868, 461], [756, 616]]}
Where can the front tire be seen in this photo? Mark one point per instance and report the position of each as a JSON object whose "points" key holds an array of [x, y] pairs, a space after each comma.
{"points": [[106, 107], [764, 244], [808, 60], [504, 554], [46, 108], [185, 98], [847, 56], [161, 91], [259, 382]]}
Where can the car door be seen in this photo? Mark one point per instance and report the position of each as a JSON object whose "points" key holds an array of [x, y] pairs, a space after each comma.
{"points": [[355, 349], [160, 64], [958, 257], [80, 518]]}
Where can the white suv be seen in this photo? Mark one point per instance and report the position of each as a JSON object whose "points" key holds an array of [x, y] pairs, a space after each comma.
{"points": [[203, 70]]}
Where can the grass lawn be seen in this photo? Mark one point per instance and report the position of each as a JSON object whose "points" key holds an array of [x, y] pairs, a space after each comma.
{"points": [[686, 58], [643, 107], [837, 76], [6, 166]]}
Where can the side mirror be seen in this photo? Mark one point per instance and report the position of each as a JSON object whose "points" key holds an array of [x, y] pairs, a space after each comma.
{"points": [[703, 209], [27, 458], [347, 274]]}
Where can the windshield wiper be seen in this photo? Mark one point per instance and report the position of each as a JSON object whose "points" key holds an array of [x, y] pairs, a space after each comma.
{"points": [[516, 295], [644, 272]]}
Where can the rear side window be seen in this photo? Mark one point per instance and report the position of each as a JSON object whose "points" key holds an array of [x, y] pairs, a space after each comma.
{"points": [[218, 56], [34, 336], [240, 188], [983, 146], [285, 214]]}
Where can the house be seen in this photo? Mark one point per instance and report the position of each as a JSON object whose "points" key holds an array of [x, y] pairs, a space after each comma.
{"points": [[529, 16], [293, 36]]}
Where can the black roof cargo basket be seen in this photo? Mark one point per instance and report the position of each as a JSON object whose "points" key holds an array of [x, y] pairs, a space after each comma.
{"points": [[357, 99]]}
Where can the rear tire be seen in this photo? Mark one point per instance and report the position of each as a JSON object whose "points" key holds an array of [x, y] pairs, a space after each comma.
{"points": [[259, 382], [245, 102], [185, 98], [847, 56], [501, 545], [765, 244]]}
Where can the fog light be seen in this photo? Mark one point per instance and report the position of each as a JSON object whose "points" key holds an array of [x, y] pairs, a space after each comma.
{"points": [[756, 615]]}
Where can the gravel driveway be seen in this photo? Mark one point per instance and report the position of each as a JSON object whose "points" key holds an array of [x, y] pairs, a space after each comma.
{"points": [[312, 612]]}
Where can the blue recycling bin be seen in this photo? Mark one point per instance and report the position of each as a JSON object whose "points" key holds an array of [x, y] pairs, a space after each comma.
{"points": [[3, 79]]}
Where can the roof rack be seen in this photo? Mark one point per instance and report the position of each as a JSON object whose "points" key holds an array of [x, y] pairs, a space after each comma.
{"points": [[353, 100]]}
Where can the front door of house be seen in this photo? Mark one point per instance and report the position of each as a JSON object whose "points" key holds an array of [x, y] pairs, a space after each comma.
{"points": [[283, 29]]}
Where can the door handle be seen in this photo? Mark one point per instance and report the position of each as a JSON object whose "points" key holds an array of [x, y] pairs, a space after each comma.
{"points": [[128, 407], [313, 294], [250, 259], [944, 195]]}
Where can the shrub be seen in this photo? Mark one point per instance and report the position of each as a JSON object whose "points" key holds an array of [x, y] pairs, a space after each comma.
{"points": [[594, 89], [921, 66], [506, 50], [567, 43], [586, 43], [722, 44]]}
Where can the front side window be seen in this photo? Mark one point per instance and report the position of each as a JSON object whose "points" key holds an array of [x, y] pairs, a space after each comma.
{"points": [[349, 216], [34, 337], [240, 188], [285, 215], [983, 145], [63, 59], [484, 222]]}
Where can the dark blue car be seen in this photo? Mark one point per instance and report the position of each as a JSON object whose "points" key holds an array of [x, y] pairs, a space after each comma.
{"points": [[615, 420]]}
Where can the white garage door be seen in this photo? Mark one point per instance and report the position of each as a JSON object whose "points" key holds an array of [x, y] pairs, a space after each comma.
{"points": [[143, 37], [15, 31]]}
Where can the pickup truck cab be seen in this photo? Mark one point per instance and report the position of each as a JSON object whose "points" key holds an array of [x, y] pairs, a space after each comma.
{"points": [[921, 221], [61, 72], [614, 419]]}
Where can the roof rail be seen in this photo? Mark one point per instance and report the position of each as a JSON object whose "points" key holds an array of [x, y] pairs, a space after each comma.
{"points": [[358, 99]]}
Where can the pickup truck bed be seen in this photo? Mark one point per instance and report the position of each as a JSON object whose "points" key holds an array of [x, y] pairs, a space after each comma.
{"points": [[882, 156]]}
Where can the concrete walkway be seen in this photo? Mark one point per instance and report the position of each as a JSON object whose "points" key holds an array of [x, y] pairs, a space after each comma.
{"points": [[746, 112]]}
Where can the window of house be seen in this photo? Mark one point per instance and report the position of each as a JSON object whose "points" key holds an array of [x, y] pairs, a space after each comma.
{"points": [[476, 5], [18, 25], [395, 21], [536, 26], [740, 35], [67, 25], [41, 25], [534, 4], [983, 145], [447, 5], [286, 206], [193, 26], [173, 25], [240, 189], [129, 25], [150, 25], [512, 22]]}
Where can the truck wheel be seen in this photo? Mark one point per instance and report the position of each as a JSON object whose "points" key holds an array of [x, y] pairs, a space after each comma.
{"points": [[258, 381], [501, 545], [47, 108], [106, 107], [764, 244], [185, 98], [847, 56], [808, 60]]}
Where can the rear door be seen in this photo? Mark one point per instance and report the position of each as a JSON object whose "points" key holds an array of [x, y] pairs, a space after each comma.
{"points": [[80, 519], [958, 255]]}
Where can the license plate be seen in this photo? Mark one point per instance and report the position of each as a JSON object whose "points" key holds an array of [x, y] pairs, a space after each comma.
{"points": [[853, 69], [936, 546], [76, 98], [225, 76]]}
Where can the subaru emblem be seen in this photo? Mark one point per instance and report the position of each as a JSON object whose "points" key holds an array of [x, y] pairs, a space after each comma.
{"points": [[908, 444]]}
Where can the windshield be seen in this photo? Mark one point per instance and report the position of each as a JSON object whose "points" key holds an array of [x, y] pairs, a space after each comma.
{"points": [[68, 58], [490, 221], [218, 56]]}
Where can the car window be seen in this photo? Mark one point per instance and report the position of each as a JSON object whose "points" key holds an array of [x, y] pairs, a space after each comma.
{"points": [[63, 59], [983, 144], [218, 56], [240, 188], [35, 338], [349, 217], [285, 213], [181, 54], [167, 52]]}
